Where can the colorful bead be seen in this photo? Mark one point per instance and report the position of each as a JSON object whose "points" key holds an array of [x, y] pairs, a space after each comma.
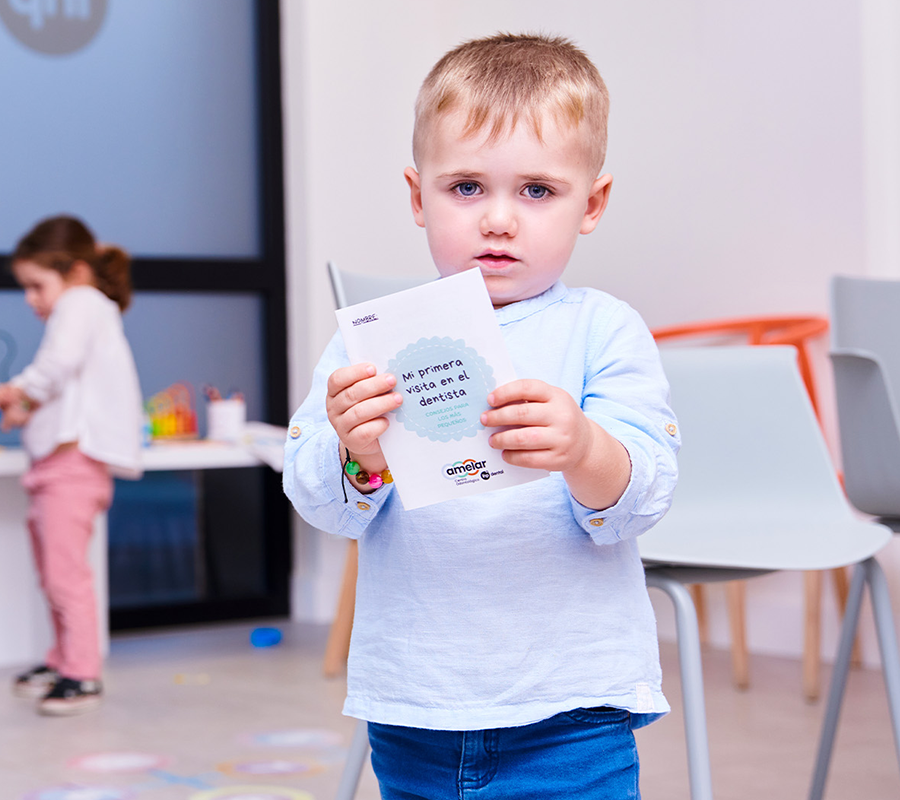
{"points": [[363, 478]]}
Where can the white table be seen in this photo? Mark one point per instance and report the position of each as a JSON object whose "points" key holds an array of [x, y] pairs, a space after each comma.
{"points": [[24, 620]]}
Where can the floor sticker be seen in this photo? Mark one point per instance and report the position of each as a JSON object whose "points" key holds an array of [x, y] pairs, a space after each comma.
{"points": [[300, 737], [271, 767], [253, 793], [119, 762], [194, 781], [81, 793]]}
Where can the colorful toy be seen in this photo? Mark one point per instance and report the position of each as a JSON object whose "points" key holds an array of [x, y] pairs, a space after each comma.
{"points": [[172, 413]]}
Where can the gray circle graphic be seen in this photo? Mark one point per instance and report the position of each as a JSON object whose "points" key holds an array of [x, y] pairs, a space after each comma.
{"points": [[54, 27]]}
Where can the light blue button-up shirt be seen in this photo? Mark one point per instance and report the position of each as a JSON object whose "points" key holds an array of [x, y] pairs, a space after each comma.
{"points": [[508, 607]]}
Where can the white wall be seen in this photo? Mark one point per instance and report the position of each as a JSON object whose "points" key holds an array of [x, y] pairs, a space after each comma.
{"points": [[737, 143]]}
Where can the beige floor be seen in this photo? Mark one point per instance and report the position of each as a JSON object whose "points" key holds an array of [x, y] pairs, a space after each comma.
{"points": [[200, 711]]}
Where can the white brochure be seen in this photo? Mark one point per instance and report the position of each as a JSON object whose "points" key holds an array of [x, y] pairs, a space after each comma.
{"points": [[442, 342]]}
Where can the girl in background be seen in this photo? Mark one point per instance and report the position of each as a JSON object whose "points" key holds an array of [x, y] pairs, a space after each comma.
{"points": [[80, 404]]}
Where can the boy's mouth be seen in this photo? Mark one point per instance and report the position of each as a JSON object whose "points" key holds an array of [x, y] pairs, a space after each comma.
{"points": [[495, 258]]}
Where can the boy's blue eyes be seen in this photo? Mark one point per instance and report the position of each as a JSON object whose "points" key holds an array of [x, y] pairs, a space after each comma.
{"points": [[533, 191], [467, 189]]}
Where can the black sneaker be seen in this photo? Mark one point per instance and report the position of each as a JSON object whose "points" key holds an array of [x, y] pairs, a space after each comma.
{"points": [[69, 697], [36, 682]]}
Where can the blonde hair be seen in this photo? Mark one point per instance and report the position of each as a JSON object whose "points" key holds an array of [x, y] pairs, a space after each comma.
{"points": [[500, 80], [58, 242]]}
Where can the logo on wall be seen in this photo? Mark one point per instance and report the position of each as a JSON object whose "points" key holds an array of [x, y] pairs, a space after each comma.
{"points": [[54, 27]]}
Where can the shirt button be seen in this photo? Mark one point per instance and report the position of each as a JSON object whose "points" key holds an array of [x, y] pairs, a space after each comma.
{"points": [[597, 522], [295, 432], [363, 506], [671, 429]]}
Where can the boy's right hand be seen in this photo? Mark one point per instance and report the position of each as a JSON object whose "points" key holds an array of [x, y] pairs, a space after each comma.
{"points": [[356, 403]]}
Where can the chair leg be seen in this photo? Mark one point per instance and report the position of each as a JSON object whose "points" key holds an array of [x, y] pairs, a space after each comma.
{"points": [[337, 647], [689, 660], [838, 683], [887, 642], [356, 760], [812, 634], [736, 597], [841, 587], [862, 573], [699, 598]]}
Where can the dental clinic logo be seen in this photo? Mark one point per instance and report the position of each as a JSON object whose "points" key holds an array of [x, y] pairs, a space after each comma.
{"points": [[53, 27], [468, 471]]}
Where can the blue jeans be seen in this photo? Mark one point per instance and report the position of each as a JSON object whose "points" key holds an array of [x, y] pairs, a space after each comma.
{"points": [[588, 754]]}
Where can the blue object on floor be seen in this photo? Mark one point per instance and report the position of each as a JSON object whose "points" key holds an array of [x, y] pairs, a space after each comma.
{"points": [[265, 637]]}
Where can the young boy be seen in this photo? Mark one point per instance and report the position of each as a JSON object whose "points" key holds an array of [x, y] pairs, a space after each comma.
{"points": [[505, 643]]}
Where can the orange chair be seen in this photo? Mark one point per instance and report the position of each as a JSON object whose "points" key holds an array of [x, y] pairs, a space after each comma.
{"points": [[796, 331]]}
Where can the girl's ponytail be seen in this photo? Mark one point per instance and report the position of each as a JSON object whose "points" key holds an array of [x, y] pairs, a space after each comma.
{"points": [[112, 270]]}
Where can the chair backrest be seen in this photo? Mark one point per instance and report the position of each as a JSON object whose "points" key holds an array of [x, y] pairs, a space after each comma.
{"points": [[865, 353], [865, 315], [753, 461], [793, 330], [350, 288]]}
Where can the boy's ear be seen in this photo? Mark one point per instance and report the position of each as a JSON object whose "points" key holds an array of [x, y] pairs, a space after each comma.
{"points": [[596, 204], [415, 195]]}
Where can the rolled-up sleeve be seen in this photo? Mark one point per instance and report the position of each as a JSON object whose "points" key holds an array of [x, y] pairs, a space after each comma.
{"points": [[313, 471], [626, 393]]}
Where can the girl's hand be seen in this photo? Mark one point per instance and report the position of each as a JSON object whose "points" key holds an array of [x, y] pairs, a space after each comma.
{"points": [[356, 403], [15, 416], [550, 431], [7, 395], [16, 406]]}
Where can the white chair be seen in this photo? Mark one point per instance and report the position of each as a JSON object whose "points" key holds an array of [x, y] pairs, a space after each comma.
{"points": [[757, 493]]}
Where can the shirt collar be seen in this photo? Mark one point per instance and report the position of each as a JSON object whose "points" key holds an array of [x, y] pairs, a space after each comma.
{"points": [[532, 305]]}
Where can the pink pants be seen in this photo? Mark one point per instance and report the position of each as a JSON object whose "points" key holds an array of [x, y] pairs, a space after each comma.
{"points": [[67, 491]]}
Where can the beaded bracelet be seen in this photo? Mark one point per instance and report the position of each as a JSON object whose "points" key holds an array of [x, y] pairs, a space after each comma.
{"points": [[363, 478], [353, 469]]}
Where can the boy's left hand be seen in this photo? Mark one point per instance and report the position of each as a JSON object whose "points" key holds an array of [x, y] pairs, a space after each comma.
{"points": [[550, 431]]}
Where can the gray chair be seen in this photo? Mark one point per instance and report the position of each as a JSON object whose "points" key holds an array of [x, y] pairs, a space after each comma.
{"points": [[350, 288], [865, 353]]}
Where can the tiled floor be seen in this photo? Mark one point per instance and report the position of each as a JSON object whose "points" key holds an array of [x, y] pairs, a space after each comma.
{"points": [[201, 715]]}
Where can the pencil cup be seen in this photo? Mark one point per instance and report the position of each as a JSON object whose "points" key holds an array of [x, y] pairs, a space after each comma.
{"points": [[225, 420]]}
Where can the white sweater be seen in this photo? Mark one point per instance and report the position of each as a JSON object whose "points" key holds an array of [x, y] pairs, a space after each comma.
{"points": [[84, 378]]}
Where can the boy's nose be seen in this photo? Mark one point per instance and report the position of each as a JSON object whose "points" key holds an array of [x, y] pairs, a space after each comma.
{"points": [[499, 219]]}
